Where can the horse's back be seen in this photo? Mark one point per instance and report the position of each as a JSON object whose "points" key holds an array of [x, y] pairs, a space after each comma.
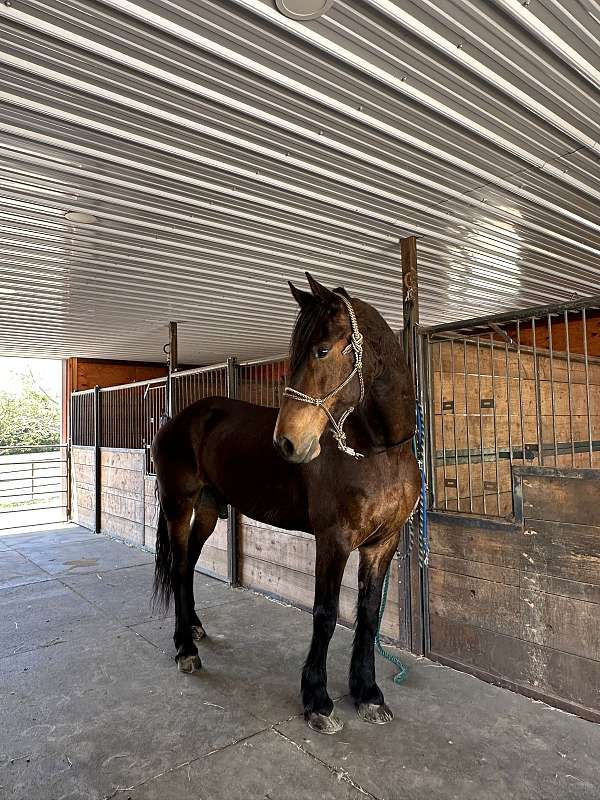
{"points": [[228, 444]]}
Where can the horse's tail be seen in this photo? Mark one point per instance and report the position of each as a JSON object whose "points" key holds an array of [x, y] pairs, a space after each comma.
{"points": [[162, 588]]}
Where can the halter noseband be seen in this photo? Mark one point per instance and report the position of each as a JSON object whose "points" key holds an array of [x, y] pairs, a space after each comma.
{"points": [[356, 344]]}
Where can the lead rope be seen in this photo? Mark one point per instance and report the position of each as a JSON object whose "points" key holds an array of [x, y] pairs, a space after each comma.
{"points": [[420, 510]]}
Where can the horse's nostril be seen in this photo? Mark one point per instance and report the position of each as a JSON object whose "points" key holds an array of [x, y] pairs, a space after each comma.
{"points": [[286, 446]]}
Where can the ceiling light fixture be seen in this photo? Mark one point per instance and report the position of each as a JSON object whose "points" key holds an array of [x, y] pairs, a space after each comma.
{"points": [[80, 216], [303, 10]]}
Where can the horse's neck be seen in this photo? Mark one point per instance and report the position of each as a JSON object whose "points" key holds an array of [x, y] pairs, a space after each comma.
{"points": [[387, 416]]}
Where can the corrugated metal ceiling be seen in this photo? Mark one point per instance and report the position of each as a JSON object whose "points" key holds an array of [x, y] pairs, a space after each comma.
{"points": [[225, 148]]}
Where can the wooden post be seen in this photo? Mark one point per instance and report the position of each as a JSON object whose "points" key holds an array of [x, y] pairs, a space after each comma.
{"points": [[172, 361], [414, 583], [232, 544], [97, 461]]}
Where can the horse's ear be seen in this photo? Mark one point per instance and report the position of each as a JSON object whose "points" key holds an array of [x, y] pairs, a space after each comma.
{"points": [[320, 291], [302, 298]]}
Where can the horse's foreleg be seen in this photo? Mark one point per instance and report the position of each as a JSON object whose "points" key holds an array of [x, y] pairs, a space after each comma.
{"points": [[368, 697], [205, 519], [329, 568], [179, 533]]}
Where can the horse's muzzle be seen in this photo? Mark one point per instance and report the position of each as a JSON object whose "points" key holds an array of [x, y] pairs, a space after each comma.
{"points": [[301, 454]]}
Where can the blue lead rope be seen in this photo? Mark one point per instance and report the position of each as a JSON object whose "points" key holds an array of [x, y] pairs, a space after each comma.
{"points": [[421, 511]]}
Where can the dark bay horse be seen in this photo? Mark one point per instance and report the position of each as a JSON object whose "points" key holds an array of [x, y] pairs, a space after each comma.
{"points": [[346, 369]]}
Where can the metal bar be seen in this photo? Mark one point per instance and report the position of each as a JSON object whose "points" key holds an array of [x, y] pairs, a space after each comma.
{"points": [[480, 425], [520, 390], [232, 544], [36, 508], [538, 397], [265, 360], [453, 374], [518, 314], [69, 465], [569, 386], [552, 398], [444, 469], [468, 434], [97, 461], [587, 381], [429, 416], [508, 402], [494, 423], [108, 389]]}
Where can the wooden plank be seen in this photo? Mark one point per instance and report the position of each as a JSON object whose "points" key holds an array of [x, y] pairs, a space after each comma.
{"points": [[123, 459], [126, 482], [125, 529], [491, 605], [557, 675], [120, 506], [578, 590], [475, 569], [561, 549], [213, 559], [560, 623], [276, 546], [492, 545], [298, 588], [562, 499]]}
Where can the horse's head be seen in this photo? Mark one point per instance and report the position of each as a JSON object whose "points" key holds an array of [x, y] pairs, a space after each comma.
{"points": [[326, 371]]}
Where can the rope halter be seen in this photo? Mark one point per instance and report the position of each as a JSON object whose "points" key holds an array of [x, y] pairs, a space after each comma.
{"points": [[356, 345]]}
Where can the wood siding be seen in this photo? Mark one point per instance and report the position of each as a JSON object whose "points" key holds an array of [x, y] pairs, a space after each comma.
{"points": [[281, 563], [519, 603]]}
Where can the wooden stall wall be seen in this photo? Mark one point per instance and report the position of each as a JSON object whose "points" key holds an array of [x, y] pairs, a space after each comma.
{"points": [[281, 563], [271, 560], [518, 603], [82, 486], [128, 503]]}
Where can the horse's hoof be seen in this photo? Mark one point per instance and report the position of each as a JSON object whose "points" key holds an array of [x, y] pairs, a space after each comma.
{"points": [[189, 664], [322, 723], [198, 632], [376, 715]]}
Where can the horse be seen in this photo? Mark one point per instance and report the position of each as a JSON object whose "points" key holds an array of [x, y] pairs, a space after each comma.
{"points": [[353, 489]]}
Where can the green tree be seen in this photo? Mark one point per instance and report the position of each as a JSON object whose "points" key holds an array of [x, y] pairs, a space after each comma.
{"points": [[29, 418]]}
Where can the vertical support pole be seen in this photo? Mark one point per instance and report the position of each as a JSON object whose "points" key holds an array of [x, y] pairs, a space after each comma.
{"points": [[97, 461], [415, 577], [68, 479], [232, 543], [172, 362]]}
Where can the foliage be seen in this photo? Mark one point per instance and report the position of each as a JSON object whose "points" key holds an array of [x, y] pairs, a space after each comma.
{"points": [[29, 418]]}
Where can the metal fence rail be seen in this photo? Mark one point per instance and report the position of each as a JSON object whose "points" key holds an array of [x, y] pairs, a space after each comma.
{"points": [[191, 385], [519, 388], [262, 381], [131, 414], [33, 481]]}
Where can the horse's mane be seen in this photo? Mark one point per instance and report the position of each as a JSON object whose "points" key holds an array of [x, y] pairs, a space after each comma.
{"points": [[309, 319]]}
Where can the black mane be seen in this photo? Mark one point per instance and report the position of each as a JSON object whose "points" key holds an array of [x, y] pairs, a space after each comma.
{"points": [[308, 322]]}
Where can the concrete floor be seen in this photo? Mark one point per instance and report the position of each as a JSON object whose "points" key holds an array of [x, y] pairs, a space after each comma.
{"points": [[92, 705]]}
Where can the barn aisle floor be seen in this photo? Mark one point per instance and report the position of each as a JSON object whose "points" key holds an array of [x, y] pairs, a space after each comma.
{"points": [[92, 705]]}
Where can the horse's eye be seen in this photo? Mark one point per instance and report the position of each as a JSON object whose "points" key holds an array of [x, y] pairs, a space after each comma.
{"points": [[321, 352]]}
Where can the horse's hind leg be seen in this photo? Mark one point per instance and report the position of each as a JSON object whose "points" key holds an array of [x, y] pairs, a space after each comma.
{"points": [[205, 519], [368, 697]]}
